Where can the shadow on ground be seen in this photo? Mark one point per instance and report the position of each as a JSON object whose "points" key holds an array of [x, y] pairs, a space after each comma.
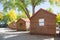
{"points": [[8, 34], [26, 36]]}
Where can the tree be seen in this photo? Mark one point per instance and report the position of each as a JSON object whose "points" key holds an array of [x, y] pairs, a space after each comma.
{"points": [[7, 4], [50, 9], [55, 2], [34, 3], [23, 15], [6, 18], [22, 5], [1, 16], [58, 19], [58, 3], [18, 16], [12, 15]]}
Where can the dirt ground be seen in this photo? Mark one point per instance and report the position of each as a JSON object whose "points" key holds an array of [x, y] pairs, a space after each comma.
{"points": [[23, 35]]}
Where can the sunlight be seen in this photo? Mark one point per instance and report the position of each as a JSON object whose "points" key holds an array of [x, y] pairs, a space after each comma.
{"points": [[2, 30], [9, 36], [57, 32], [49, 39], [57, 1], [17, 32]]}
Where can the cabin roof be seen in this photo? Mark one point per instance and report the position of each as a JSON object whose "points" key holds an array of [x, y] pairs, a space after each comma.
{"points": [[44, 11], [24, 19]]}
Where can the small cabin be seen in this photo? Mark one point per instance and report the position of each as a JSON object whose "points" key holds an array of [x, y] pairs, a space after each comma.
{"points": [[43, 22], [23, 24], [12, 25]]}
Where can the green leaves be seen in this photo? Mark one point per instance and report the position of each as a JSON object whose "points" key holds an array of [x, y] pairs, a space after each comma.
{"points": [[55, 2], [50, 9], [37, 2], [34, 3], [6, 18], [58, 18], [23, 15], [22, 5], [51, 2], [58, 3]]}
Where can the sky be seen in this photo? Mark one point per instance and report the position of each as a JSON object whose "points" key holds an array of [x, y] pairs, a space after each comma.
{"points": [[44, 5], [1, 7]]}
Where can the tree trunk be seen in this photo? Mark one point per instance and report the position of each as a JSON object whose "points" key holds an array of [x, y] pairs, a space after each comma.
{"points": [[27, 12], [25, 9], [33, 9]]}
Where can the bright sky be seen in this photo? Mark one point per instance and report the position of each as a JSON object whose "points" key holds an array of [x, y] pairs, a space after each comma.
{"points": [[1, 7], [45, 5]]}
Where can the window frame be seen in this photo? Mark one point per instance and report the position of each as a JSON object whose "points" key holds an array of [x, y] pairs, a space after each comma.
{"points": [[41, 22]]}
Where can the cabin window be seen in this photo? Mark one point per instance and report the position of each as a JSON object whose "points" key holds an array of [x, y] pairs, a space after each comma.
{"points": [[41, 22]]}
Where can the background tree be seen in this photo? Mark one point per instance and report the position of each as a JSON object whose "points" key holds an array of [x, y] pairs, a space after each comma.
{"points": [[8, 4], [23, 15], [13, 15], [50, 9], [55, 2], [22, 5], [6, 18], [58, 3], [35, 3], [58, 19], [18, 16], [1, 16]]}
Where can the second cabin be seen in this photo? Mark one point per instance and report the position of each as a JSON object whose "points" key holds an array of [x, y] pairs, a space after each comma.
{"points": [[23, 24], [12, 25]]}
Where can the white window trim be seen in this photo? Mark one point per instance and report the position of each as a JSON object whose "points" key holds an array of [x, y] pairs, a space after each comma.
{"points": [[41, 22]]}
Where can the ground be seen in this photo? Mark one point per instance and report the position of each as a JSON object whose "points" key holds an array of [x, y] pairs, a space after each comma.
{"points": [[8, 34]]}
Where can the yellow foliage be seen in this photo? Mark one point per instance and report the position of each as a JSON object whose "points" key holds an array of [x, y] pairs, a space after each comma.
{"points": [[8, 23], [57, 1], [12, 15], [58, 17], [1, 16]]}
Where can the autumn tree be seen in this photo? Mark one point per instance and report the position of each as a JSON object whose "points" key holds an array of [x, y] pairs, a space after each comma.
{"points": [[12, 15], [58, 19]]}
